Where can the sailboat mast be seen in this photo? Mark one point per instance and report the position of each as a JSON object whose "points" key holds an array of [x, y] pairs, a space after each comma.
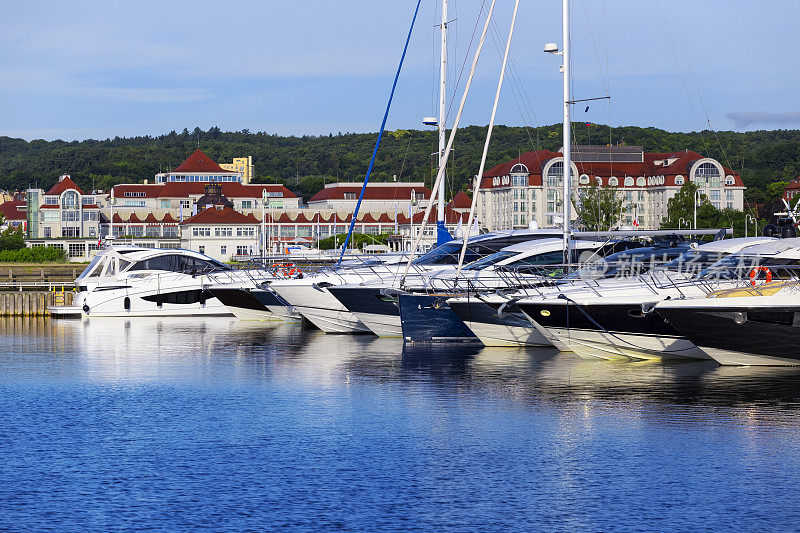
{"points": [[442, 107], [567, 136]]}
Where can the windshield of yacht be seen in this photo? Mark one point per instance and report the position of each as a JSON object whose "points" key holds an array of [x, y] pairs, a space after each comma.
{"points": [[628, 263], [739, 266], [94, 269], [693, 261], [489, 260], [447, 254], [179, 263]]}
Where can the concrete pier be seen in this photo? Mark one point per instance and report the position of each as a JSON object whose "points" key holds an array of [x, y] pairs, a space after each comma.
{"points": [[32, 303]]}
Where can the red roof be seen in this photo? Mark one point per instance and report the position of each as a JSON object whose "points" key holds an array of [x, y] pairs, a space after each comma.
{"points": [[460, 201], [168, 219], [375, 191], [199, 162], [11, 210], [151, 219], [214, 215], [133, 219], [451, 216], [184, 189], [64, 184], [669, 165]]}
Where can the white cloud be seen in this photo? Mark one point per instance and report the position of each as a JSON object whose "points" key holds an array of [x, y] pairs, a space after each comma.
{"points": [[744, 119]]}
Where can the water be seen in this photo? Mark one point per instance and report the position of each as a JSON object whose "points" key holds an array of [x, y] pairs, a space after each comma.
{"points": [[212, 423]]}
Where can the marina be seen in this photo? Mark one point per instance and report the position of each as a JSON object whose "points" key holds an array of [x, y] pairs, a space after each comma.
{"points": [[464, 319]]}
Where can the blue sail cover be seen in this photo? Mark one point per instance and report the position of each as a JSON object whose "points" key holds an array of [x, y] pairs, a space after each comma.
{"points": [[442, 235]]}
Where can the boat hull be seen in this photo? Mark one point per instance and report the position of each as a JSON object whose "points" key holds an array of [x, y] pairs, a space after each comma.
{"points": [[510, 329], [735, 334], [611, 330], [320, 307], [428, 318], [243, 304], [378, 311]]}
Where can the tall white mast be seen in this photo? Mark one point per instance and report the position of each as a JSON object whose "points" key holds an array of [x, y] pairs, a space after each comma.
{"points": [[442, 106], [567, 136]]}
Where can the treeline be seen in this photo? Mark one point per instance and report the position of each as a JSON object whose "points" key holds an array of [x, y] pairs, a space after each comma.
{"points": [[306, 163]]}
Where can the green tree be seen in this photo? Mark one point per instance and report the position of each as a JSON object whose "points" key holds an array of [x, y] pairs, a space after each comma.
{"points": [[599, 208], [680, 208]]}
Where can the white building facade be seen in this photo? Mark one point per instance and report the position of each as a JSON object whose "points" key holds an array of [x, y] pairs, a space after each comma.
{"points": [[529, 189]]}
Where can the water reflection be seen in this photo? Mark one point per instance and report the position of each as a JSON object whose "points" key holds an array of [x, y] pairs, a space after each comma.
{"points": [[191, 348]]}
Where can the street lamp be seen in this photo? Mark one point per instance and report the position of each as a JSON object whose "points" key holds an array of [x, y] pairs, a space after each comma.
{"points": [[747, 219], [681, 222], [697, 199]]}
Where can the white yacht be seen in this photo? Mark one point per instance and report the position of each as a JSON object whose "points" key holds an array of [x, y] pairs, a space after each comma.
{"points": [[124, 281], [616, 320]]}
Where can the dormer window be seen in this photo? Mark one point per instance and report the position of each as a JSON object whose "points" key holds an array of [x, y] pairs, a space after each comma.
{"points": [[349, 196]]}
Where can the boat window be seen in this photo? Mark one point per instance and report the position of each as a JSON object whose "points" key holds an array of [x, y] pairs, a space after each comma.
{"points": [[694, 261], [555, 257], [167, 263], [489, 260], [739, 266], [94, 269], [629, 263], [122, 264]]}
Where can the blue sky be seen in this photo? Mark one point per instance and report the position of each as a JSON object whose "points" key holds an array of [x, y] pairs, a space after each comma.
{"points": [[99, 69]]}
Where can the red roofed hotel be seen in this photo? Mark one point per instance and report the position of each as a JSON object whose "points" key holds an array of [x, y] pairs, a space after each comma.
{"points": [[529, 188], [199, 213]]}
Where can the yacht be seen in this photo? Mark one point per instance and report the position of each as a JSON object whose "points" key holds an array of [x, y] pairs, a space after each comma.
{"points": [[124, 281], [311, 296], [754, 323], [497, 321], [425, 315], [615, 320]]}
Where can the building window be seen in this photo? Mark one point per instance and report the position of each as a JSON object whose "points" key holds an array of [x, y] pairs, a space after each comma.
{"points": [[152, 231], [706, 173], [613, 182], [137, 231], [201, 232], [70, 232], [245, 232], [165, 204], [87, 200], [729, 195], [584, 179], [729, 180], [170, 231], [186, 204], [247, 204], [47, 232], [242, 250], [75, 249], [640, 182], [349, 196], [69, 200], [201, 249], [223, 250], [679, 180], [223, 232], [51, 200], [70, 216], [715, 195], [50, 215], [629, 182]]}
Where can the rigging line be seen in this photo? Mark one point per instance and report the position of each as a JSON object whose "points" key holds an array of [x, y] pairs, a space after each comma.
{"points": [[697, 87], [476, 187], [594, 45], [380, 134], [466, 56], [683, 77], [495, 39], [453, 131]]}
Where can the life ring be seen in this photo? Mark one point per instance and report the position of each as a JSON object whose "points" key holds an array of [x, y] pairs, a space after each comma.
{"points": [[754, 274], [289, 270]]}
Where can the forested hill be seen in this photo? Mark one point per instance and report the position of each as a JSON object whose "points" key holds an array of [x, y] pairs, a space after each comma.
{"points": [[305, 163]]}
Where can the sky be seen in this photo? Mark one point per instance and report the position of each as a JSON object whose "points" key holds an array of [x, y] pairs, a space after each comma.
{"points": [[99, 69]]}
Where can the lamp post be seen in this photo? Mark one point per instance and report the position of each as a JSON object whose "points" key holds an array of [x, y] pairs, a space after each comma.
{"points": [[681, 222], [747, 219], [263, 223], [696, 201]]}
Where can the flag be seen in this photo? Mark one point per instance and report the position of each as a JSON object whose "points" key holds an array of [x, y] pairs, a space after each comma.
{"points": [[589, 124], [459, 232], [636, 222], [587, 109], [475, 227]]}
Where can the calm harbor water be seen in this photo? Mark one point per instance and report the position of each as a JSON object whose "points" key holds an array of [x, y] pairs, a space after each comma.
{"points": [[212, 423]]}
